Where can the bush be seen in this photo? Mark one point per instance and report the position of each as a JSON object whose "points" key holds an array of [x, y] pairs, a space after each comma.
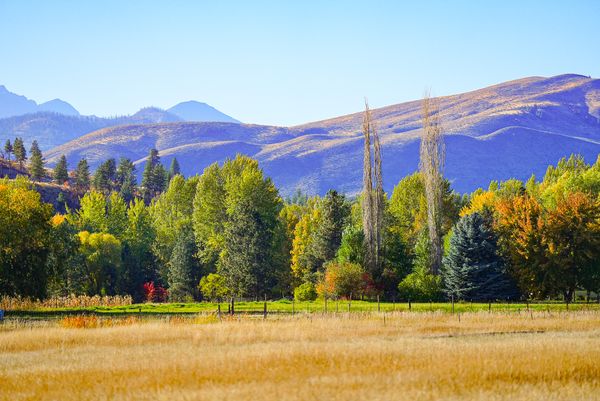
{"points": [[343, 280], [305, 292], [420, 285], [214, 287], [155, 293]]}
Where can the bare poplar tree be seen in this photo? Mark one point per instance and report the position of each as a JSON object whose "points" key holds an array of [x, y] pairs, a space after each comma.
{"points": [[432, 155], [373, 197]]}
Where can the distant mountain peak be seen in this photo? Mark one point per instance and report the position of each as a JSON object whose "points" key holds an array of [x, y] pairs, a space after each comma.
{"points": [[12, 104], [193, 110]]}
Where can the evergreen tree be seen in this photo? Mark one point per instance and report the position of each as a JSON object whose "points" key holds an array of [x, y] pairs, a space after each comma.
{"points": [[8, 149], [183, 269], [105, 176], [328, 234], [174, 169], [473, 268], [36, 168], [19, 151], [245, 263], [61, 174], [154, 178], [126, 180], [82, 176]]}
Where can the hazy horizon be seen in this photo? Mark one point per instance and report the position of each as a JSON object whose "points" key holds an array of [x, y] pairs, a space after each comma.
{"points": [[283, 64]]}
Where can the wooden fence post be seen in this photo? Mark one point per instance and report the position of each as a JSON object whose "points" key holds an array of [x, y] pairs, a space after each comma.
{"points": [[265, 308], [409, 305], [378, 305], [452, 296], [232, 305], [293, 306], [325, 304]]}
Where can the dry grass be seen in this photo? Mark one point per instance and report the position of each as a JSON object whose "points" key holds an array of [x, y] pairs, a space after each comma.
{"points": [[72, 301], [406, 357]]}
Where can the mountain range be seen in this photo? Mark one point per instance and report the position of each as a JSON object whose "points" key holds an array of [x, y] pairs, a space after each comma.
{"points": [[509, 130], [56, 122]]}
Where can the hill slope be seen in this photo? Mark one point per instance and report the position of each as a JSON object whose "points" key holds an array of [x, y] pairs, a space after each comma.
{"points": [[505, 131]]}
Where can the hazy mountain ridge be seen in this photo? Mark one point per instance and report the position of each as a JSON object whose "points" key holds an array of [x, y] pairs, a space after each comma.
{"points": [[508, 130], [55, 122], [12, 105]]}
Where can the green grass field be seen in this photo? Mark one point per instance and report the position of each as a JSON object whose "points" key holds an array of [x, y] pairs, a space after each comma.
{"points": [[288, 307]]}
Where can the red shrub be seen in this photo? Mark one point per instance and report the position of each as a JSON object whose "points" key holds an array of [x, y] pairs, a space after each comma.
{"points": [[155, 293]]}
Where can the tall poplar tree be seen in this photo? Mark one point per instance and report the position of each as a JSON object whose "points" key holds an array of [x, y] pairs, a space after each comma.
{"points": [[431, 164]]}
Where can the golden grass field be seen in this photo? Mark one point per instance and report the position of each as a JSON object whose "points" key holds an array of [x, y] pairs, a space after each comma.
{"points": [[392, 356]]}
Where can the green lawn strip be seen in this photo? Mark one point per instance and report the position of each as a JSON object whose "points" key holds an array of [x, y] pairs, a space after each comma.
{"points": [[285, 306]]}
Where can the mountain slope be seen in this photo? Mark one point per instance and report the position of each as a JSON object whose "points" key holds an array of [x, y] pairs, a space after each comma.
{"points": [[196, 111], [504, 131]]}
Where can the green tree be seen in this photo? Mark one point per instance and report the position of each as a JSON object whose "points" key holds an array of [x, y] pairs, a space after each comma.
{"points": [[474, 269], [174, 169], [116, 215], [240, 237], [171, 213], [102, 253], [25, 231], [36, 167], [213, 286], [420, 285], [154, 178], [82, 176], [334, 213], [126, 180], [65, 264], [138, 261], [105, 176], [91, 215], [61, 174], [19, 151], [8, 149], [183, 268]]}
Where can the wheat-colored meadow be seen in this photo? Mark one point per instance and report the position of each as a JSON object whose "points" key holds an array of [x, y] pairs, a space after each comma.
{"points": [[392, 356]]}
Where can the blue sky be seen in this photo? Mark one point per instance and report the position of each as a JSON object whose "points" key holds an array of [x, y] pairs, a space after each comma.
{"points": [[284, 62]]}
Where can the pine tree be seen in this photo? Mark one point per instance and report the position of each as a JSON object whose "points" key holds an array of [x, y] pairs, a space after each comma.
{"points": [[61, 174], [174, 169], [19, 151], [36, 168], [8, 149], [154, 178], [82, 176], [183, 268], [105, 176], [328, 234], [473, 269], [126, 179]]}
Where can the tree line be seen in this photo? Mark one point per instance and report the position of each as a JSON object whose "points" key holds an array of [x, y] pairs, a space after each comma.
{"points": [[228, 232]]}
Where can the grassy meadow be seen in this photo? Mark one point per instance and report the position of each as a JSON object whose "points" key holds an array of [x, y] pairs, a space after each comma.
{"points": [[377, 356]]}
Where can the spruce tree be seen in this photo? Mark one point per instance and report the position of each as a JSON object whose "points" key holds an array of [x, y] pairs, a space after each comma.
{"points": [[82, 176], [474, 269], [126, 179], [328, 234], [8, 149], [19, 151], [61, 173], [105, 176], [174, 169], [154, 178], [36, 168], [183, 268]]}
